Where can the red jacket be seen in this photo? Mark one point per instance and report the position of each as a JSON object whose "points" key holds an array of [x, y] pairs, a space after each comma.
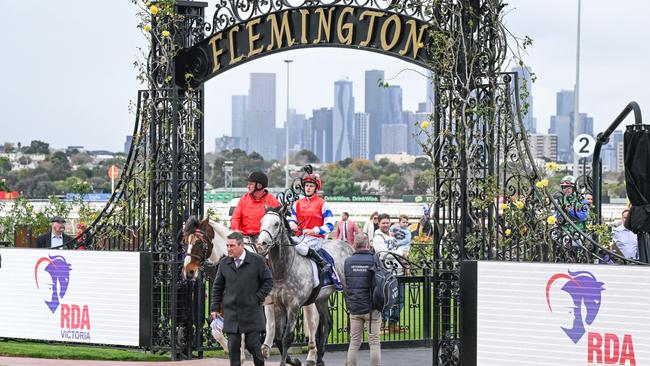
{"points": [[249, 212]]}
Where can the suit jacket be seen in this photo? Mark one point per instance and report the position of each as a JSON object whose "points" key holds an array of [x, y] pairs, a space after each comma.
{"points": [[45, 240], [242, 292], [353, 229]]}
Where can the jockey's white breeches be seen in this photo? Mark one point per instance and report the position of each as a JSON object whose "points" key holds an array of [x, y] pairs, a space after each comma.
{"points": [[306, 242]]}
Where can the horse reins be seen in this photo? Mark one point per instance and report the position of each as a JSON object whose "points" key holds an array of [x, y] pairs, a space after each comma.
{"points": [[203, 246]]}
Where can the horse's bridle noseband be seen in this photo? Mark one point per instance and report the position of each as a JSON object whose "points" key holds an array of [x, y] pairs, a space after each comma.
{"points": [[204, 244]]}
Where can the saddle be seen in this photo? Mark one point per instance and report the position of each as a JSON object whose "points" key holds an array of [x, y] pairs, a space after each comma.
{"points": [[328, 278]]}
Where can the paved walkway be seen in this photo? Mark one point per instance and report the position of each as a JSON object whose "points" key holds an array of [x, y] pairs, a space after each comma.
{"points": [[410, 356]]}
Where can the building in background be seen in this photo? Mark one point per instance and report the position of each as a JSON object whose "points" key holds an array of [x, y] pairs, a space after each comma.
{"points": [[394, 111], [238, 119], [127, 143], [375, 97], [562, 127], [260, 117], [543, 147], [322, 136], [393, 138], [360, 150], [343, 120], [526, 84]]}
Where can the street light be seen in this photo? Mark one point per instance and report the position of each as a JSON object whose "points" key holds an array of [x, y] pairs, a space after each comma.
{"points": [[286, 131], [577, 128]]}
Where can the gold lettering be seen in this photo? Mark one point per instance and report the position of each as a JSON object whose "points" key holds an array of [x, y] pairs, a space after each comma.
{"points": [[371, 25], [412, 39], [252, 37], [216, 51], [348, 27], [324, 24], [277, 32], [303, 28], [231, 36], [384, 29]]}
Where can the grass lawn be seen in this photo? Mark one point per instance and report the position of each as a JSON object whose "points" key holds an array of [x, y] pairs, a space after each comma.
{"points": [[74, 352]]}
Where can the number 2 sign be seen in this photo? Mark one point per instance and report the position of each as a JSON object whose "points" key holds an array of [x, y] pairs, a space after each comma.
{"points": [[584, 145]]}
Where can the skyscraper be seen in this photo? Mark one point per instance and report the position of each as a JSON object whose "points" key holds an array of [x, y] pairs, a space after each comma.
{"points": [[361, 137], [410, 119], [394, 111], [238, 119], [296, 124], [393, 138], [562, 125], [260, 123], [343, 119], [375, 105], [430, 95], [564, 103], [322, 144], [524, 76]]}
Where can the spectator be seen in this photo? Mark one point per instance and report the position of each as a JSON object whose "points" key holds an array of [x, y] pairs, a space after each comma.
{"points": [[358, 298], [424, 227], [626, 240], [243, 281], [55, 238], [575, 207], [346, 229], [371, 225], [382, 241], [402, 237]]}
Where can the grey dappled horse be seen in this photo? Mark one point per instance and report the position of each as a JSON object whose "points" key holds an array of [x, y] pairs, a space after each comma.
{"points": [[205, 243], [292, 276]]}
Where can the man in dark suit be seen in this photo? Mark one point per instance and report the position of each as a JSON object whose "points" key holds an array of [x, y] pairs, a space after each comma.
{"points": [[243, 282], [55, 238]]}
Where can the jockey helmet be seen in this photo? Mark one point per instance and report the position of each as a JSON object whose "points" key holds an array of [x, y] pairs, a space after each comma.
{"points": [[259, 177], [568, 181], [312, 178]]}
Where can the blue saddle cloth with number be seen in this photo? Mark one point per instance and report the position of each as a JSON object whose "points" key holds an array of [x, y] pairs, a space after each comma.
{"points": [[330, 278]]}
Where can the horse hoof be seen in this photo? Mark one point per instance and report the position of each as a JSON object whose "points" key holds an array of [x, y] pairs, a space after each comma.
{"points": [[266, 351], [310, 363], [294, 361], [320, 363]]}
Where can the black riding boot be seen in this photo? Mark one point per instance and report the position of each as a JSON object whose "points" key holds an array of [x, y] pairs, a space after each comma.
{"points": [[323, 265]]}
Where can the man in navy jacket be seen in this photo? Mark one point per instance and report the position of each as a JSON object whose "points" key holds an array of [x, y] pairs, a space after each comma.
{"points": [[359, 301]]}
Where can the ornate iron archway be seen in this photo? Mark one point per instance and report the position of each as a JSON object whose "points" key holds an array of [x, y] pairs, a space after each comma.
{"points": [[476, 141]]}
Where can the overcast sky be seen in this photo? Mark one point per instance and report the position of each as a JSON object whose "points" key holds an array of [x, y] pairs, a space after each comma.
{"points": [[68, 71]]}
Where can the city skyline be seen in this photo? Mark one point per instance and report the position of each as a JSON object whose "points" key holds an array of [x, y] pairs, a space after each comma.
{"points": [[67, 94]]}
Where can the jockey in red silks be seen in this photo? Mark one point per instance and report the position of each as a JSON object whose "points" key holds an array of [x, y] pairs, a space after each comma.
{"points": [[311, 219], [248, 214]]}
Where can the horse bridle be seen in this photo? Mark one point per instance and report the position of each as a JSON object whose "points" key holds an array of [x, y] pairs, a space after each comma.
{"points": [[204, 246]]}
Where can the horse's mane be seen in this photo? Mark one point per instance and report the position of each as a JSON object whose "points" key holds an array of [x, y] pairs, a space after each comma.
{"points": [[219, 229], [192, 224], [282, 212]]}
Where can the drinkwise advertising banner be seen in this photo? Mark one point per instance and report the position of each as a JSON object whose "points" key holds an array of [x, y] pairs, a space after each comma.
{"points": [[73, 296], [555, 314]]}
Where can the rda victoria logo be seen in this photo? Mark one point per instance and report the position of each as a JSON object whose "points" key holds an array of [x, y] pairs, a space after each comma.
{"points": [[52, 277], [585, 293]]}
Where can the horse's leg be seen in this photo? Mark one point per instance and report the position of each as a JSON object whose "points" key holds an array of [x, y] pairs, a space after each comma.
{"points": [[324, 327], [287, 334], [311, 326], [269, 311], [242, 358]]}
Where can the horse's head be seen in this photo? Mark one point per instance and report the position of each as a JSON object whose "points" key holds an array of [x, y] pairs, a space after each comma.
{"points": [[271, 227], [197, 244], [587, 291]]}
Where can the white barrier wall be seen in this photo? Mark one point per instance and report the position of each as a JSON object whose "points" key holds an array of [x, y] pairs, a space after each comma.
{"points": [[75, 296], [554, 314]]}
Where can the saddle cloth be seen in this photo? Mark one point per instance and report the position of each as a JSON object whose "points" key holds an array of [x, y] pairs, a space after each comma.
{"points": [[329, 278]]}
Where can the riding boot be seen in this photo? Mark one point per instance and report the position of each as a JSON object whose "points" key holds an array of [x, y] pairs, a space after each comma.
{"points": [[323, 265]]}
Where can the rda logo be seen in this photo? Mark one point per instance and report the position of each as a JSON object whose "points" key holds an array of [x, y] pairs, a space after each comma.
{"points": [[586, 293], [54, 281]]}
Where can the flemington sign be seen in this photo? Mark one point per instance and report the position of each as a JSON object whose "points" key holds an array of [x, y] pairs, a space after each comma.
{"points": [[333, 26]]}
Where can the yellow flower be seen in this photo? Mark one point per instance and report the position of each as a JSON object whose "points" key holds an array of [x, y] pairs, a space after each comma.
{"points": [[551, 220], [153, 9], [165, 33], [519, 204], [424, 125], [542, 183], [508, 232], [551, 166], [503, 206], [146, 28]]}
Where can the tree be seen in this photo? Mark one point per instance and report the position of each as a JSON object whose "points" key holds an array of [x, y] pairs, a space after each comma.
{"points": [[80, 158], [339, 181], [9, 147], [60, 166], [303, 157], [5, 165], [37, 147]]}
